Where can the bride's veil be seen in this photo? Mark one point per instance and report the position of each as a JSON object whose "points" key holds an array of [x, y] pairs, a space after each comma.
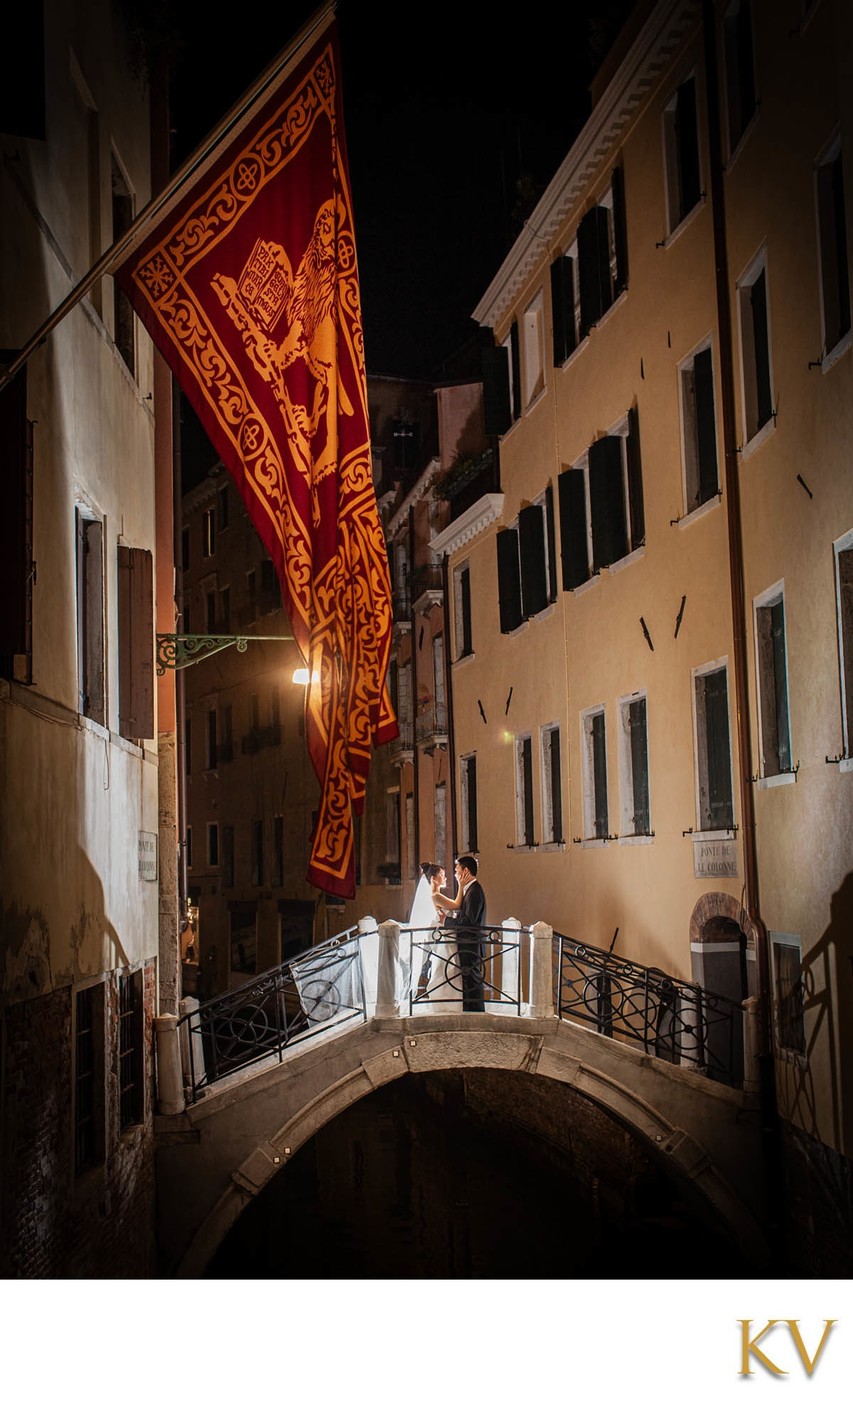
{"points": [[423, 910]]}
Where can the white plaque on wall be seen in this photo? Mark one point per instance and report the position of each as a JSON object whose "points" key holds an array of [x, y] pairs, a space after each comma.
{"points": [[715, 859], [148, 857]]}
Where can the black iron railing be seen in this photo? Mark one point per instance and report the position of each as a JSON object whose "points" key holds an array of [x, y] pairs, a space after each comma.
{"points": [[672, 1019], [443, 969], [312, 992]]}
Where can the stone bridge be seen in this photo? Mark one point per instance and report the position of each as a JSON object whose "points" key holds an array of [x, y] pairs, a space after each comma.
{"points": [[218, 1151]]}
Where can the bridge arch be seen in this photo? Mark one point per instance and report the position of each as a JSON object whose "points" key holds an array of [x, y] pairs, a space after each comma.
{"points": [[704, 1134]]}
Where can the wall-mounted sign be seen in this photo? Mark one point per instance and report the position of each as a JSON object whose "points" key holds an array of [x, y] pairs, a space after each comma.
{"points": [[715, 859], [148, 857]]}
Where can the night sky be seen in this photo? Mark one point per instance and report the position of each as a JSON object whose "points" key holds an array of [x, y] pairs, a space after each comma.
{"points": [[448, 108]]}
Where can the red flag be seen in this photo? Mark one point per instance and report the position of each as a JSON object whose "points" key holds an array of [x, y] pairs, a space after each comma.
{"points": [[249, 288]]}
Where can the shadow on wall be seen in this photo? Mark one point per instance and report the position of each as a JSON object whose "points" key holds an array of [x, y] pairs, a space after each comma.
{"points": [[827, 971]]}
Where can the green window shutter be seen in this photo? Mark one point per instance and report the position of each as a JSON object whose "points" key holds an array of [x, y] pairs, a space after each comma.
{"points": [[552, 543], [687, 148], [594, 263], [620, 229], [720, 807], [780, 678], [599, 777], [509, 581], [761, 339], [639, 765], [527, 784], [706, 429], [531, 541], [635, 480], [607, 502], [573, 540], [136, 643], [563, 307]]}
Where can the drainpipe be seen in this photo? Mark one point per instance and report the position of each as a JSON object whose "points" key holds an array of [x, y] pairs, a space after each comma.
{"points": [[448, 690], [416, 758], [738, 597]]}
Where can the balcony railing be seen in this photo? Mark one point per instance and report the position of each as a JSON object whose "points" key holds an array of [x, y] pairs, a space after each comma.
{"points": [[431, 724], [423, 579], [402, 607], [404, 745]]}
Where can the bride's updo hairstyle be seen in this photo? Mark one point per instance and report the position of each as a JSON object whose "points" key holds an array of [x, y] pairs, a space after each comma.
{"points": [[429, 869]]}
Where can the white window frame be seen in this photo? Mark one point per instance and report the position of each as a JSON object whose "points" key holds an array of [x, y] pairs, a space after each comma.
{"points": [[845, 655], [626, 771], [506, 344], [753, 437], [829, 354], [533, 349], [672, 195], [734, 147], [699, 672], [588, 774], [520, 821], [771, 597], [689, 435], [459, 652]]}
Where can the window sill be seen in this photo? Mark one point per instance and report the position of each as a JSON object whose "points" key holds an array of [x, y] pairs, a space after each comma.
{"points": [[535, 398], [685, 222], [742, 140], [758, 438], [775, 779], [630, 557], [845, 766], [714, 835], [95, 727], [585, 585], [595, 842], [543, 615], [697, 512], [605, 316], [792, 1057], [834, 355], [553, 847], [581, 345], [636, 839], [463, 660], [537, 847]]}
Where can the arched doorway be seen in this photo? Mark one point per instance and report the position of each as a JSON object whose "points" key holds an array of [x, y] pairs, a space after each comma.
{"points": [[722, 948]]}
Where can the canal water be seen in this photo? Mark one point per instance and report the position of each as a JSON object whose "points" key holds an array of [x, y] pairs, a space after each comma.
{"points": [[416, 1181]]}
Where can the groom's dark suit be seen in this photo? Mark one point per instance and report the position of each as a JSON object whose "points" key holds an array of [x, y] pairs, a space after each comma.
{"points": [[470, 945]]}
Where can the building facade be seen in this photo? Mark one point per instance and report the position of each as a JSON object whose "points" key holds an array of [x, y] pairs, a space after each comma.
{"points": [[650, 605], [80, 813]]}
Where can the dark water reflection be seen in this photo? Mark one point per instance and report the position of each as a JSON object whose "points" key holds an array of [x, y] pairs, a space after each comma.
{"points": [[413, 1182]]}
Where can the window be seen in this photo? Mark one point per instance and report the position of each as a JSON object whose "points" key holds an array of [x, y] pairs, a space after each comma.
{"points": [[212, 740], [225, 606], [223, 507], [185, 549], [602, 255], [634, 763], [90, 617], [16, 529], [131, 1055], [411, 856], [210, 612], [772, 681], [534, 349], [524, 790], [122, 309], [258, 852], [209, 532], [468, 773], [213, 844], [788, 992], [392, 835], [228, 856], [552, 785], [740, 69], [135, 643], [226, 745], [844, 597], [565, 304], [596, 821], [601, 504], [501, 373], [698, 430], [404, 694], [185, 618], [527, 580], [243, 937], [270, 590], [513, 366], [89, 1078], [438, 681], [188, 747], [832, 240], [713, 751], [462, 611], [189, 847], [681, 153], [406, 436], [22, 77], [277, 850], [755, 349]]}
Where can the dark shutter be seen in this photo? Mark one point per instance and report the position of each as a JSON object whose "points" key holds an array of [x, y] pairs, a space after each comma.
{"points": [[687, 148], [639, 765], [90, 617], [552, 543], [22, 76], [706, 429], [465, 597], [471, 782], [780, 680], [509, 581], [594, 267], [635, 480], [745, 64], [527, 789], [620, 229], [563, 307], [573, 541], [718, 750], [845, 607], [531, 539], [839, 222], [758, 297], [135, 643], [599, 777], [556, 789], [515, 371], [607, 502], [495, 372], [16, 551]]}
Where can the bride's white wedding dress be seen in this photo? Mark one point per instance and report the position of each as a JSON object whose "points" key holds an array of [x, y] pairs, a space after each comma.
{"points": [[444, 988]]}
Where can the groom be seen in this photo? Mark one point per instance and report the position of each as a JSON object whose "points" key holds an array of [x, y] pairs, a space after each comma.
{"points": [[470, 943]]}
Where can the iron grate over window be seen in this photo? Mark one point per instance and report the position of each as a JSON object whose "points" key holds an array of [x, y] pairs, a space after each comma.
{"points": [[131, 1099]]}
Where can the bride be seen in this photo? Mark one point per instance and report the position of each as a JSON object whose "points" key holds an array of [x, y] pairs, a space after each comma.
{"points": [[432, 949]]}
